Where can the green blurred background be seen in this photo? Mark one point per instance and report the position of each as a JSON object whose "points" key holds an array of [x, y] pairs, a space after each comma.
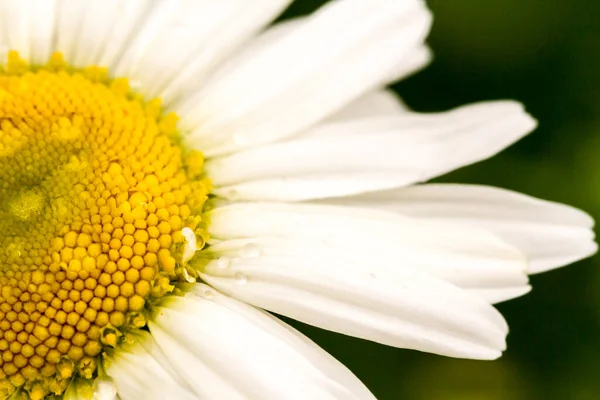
{"points": [[545, 53]]}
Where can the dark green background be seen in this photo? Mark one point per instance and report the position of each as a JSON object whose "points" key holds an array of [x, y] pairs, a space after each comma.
{"points": [[545, 53]]}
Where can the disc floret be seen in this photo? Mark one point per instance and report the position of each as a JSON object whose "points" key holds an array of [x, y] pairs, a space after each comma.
{"points": [[95, 191]]}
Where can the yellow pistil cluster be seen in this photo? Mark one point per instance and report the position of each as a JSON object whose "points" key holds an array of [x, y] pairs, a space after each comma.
{"points": [[95, 191]]}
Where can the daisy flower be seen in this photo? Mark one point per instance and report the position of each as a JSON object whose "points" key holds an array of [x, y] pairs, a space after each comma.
{"points": [[174, 171]]}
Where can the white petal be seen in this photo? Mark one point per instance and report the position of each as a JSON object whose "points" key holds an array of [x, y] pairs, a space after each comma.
{"points": [[418, 59], [550, 234], [95, 32], [368, 154], [42, 30], [82, 389], [17, 19], [200, 67], [494, 277], [241, 352], [465, 256], [121, 30], [497, 295], [141, 371], [344, 50], [363, 257], [266, 38], [183, 40], [310, 186], [401, 308], [69, 16], [378, 103], [105, 389]]}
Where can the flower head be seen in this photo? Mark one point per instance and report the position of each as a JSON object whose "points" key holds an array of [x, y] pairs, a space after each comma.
{"points": [[172, 170]]}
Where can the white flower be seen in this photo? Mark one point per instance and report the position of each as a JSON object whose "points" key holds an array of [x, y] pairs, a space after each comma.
{"points": [[317, 210]]}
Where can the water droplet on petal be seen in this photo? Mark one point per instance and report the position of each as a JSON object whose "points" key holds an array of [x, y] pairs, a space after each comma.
{"points": [[232, 194], [190, 295], [251, 250], [223, 262], [208, 294], [240, 278]]}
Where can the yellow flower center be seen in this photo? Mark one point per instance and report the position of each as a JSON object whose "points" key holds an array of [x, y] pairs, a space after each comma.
{"points": [[97, 197]]}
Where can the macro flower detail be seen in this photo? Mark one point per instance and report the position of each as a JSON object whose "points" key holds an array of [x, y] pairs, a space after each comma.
{"points": [[97, 198], [172, 172]]}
